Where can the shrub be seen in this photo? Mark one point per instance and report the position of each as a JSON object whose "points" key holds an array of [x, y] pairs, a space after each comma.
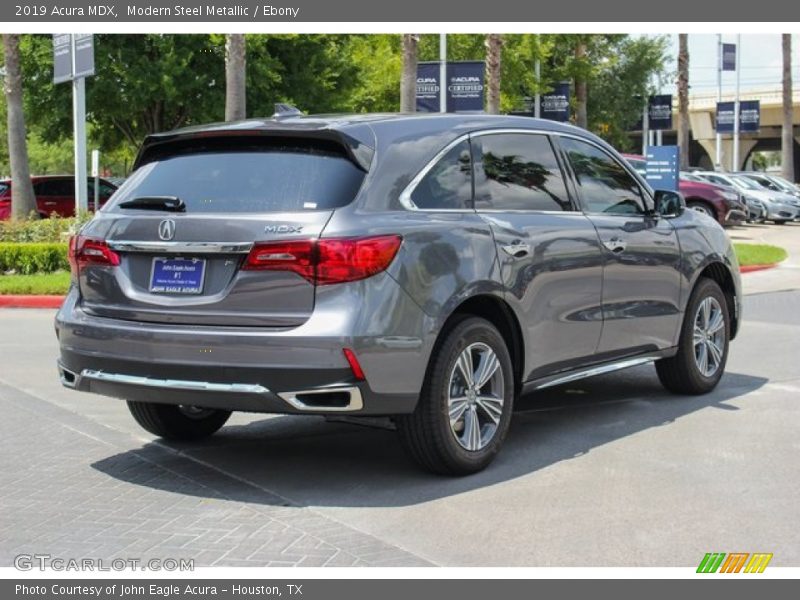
{"points": [[53, 230], [27, 258]]}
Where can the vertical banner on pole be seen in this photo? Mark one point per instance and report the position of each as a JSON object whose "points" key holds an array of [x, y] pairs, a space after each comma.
{"points": [[465, 86], [749, 116], [555, 104], [725, 116], [464, 89], [728, 57], [659, 111], [428, 88]]}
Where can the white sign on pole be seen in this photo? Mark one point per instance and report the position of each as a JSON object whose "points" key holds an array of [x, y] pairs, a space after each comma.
{"points": [[95, 163]]}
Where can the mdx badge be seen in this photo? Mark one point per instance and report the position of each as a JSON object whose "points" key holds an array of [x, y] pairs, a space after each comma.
{"points": [[166, 229], [283, 228]]}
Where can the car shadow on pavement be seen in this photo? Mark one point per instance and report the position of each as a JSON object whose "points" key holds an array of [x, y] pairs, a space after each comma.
{"points": [[305, 461]]}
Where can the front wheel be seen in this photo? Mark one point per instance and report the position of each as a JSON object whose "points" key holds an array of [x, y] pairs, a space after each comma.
{"points": [[703, 345], [464, 410], [178, 423], [702, 207]]}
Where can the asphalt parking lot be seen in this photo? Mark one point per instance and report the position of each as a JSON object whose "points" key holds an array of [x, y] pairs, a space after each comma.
{"points": [[611, 471]]}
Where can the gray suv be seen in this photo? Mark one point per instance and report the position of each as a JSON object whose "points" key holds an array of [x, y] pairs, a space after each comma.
{"points": [[430, 268]]}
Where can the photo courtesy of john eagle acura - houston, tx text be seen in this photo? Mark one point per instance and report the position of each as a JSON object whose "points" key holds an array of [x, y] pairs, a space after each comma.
{"points": [[425, 268]]}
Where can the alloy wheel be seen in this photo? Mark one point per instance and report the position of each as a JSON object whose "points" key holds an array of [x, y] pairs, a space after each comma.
{"points": [[709, 336]]}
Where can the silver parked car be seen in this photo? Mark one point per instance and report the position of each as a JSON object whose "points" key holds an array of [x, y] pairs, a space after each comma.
{"points": [[780, 207], [429, 268]]}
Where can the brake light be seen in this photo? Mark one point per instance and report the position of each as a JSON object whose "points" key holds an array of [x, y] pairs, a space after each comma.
{"points": [[84, 251], [327, 261]]}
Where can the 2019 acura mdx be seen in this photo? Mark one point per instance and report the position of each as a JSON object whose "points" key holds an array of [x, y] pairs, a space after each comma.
{"points": [[430, 268]]}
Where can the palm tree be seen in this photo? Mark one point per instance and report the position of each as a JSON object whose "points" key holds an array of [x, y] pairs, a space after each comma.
{"points": [[787, 138], [581, 113], [23, 202], [408, 78], [494, 53], [683, 99], [235, 77]]}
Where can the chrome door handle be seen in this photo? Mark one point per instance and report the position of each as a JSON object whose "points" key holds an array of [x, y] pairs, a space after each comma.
{"points": [[517, 249], [615, 245]]}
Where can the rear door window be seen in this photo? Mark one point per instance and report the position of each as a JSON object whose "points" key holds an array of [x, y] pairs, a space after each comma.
{"points": [[518, 172], [279, 177]]}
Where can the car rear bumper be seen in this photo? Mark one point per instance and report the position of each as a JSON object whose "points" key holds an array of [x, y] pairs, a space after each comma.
{"points": [[295, 371]]}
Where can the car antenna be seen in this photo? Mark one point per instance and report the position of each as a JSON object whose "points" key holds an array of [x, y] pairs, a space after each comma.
{"points": [[284, 111]]}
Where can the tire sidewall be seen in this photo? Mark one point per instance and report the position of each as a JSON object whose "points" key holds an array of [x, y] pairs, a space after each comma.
{"points": [[468, 332], [704, 289]]}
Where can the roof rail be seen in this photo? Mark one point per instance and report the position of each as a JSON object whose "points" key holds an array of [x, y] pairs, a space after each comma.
{"points": [[283, 111]]}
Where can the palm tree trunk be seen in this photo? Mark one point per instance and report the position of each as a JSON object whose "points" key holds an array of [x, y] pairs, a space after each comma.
{"points": [[683, 99], [494, 53], [408, 77], [23, 202], [581, 112], [787, 137], [235, 77]]}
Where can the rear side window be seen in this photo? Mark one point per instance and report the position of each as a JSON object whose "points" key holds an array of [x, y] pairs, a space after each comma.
{"points": [[55, 187], [518, 172], [3, 188], [274, 178], [605, 185], [448, 184]]}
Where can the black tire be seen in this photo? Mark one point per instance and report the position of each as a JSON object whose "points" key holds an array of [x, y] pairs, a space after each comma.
{"points": [[781, 222], [681, 374], [426, 434], [177, 423]]}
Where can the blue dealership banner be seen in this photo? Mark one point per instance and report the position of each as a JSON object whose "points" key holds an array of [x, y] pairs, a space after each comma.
{"points": [[728, 57], [659, 112], [555, 104], [465, 86], [749, 116], [428, 87], [663, 167]]}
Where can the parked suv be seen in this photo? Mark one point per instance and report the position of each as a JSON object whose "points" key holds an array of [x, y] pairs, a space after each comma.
{"points": [[55, 195], [430, 268]]}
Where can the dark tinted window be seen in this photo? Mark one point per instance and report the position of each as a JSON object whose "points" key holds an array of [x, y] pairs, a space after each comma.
{"points": [[518, 172], [448, 184], [605, 185], [269, 179], [3, 188], [55, 187]]}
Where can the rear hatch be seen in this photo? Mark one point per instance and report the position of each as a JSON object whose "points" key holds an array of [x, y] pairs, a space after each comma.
{"points": [[216, 231]]}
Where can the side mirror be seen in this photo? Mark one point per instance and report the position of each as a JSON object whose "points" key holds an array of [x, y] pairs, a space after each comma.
{"points": [[669, 203]]}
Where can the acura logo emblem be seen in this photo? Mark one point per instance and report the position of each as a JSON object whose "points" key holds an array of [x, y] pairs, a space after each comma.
{"points": [[166, 229]]}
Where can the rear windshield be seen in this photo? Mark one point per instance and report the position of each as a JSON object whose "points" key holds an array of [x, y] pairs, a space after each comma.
{"points": [[274, 178]]}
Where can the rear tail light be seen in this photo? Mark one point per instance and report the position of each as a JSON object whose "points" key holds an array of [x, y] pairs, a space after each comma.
{"points": [[326, 261], [85, 251]]}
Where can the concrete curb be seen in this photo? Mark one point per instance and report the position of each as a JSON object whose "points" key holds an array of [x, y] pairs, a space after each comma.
{"points": [[31, 301]]}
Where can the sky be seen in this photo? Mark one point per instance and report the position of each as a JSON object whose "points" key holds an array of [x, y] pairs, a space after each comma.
{"points": [[761, 63]]}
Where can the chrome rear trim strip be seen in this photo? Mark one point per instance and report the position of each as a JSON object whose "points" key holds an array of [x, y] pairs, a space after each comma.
{"points": [[599, 370], [175, 384], [182, 247]]}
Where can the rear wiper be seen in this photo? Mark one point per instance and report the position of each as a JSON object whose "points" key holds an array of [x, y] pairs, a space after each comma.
{"points": [[168, 203]]}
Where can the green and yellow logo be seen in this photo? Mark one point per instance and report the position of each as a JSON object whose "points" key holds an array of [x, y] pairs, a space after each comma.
{"points": [[736, 562]]}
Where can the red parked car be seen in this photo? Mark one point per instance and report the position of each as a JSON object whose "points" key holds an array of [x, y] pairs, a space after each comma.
{"points": [[55, 194], [726, 206]]}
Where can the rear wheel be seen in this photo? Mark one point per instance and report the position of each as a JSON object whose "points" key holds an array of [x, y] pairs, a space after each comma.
{"points": [[178, 422], [703, 346], [464, 410]]}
